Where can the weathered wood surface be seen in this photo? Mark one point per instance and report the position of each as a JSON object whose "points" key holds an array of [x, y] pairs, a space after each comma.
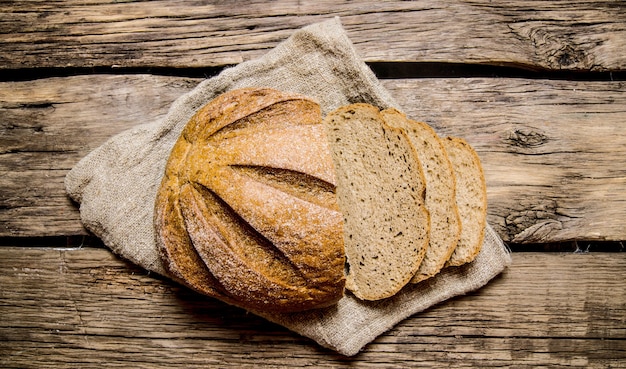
{"points": [[554, 154], [47, 125], [86, 308], [553, 151], [574, 35]]}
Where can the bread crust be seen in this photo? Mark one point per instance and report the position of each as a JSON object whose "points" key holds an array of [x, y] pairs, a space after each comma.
{"points": [[471, 199], [247, 210]]}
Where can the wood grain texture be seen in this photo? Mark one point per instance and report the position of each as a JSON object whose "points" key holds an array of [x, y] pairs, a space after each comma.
{"points": [[86, 308], [553, 151], [573, 35], [46, 126]]}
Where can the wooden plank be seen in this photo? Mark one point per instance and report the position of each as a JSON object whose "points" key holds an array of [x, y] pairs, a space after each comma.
{"points": [[553, 151], [580, 35], [85, 307], [46, 126]]}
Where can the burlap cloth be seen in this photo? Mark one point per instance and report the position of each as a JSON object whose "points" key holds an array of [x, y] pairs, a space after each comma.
{"points": [[116, 184]]}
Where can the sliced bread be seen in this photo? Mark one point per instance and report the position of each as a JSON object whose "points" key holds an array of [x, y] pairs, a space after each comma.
{"points": [[471, 199], [380, 191], [445, 223]]}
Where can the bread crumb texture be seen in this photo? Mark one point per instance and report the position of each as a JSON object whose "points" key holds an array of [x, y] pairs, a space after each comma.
{"points": [[380, 189], [440, 198]]}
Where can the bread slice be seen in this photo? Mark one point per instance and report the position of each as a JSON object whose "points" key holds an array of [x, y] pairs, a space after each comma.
{"points": [[380, 190], [445, 222], [471, 199]]}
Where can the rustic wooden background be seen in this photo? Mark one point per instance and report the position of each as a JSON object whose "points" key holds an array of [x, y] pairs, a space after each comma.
{"points": [[537, 87]]}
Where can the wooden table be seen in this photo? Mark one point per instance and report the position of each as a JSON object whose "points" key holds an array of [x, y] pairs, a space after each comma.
{"points": [[538, 88]]}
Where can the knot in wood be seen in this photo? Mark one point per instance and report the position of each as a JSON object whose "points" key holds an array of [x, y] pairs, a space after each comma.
{"points": [[567, 57], [553, 46], [527, 138], [531, 219]]}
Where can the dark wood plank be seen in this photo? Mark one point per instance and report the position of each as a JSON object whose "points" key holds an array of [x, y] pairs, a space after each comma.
{"points": [[553, 151], [579, 35], [84, 307]]}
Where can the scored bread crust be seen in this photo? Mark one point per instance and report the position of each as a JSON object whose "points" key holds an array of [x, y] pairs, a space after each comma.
{"points": [[471, 199], [380, 189], [445, 223], [247, 210]]}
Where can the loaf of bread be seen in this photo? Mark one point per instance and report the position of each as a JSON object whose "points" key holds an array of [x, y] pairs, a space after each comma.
{"points": [[380, 189], [445, 223], [268, 206], [247, 210], [471, 199]]}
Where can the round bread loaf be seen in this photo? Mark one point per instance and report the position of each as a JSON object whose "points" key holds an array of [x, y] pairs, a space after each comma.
{"points": [[247, 210]]}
